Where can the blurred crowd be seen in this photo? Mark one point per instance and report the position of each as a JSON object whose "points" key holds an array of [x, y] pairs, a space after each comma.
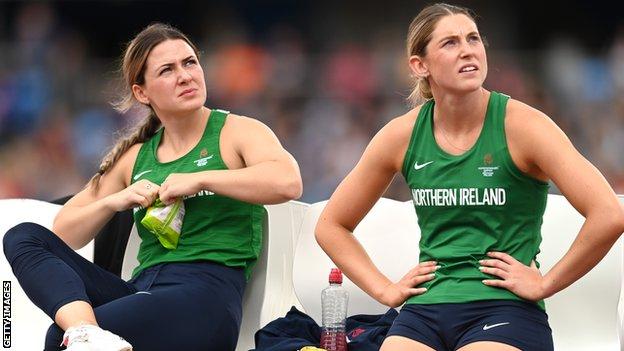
{"points": [[324, 104]]}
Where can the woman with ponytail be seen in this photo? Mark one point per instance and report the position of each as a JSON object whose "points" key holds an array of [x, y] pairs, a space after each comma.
{"points": [[478, 165], [220, 166]]}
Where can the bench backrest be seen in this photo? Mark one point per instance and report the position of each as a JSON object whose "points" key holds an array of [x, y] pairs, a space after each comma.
{"points": [[28, 323], [293, 270], [583, 317]]}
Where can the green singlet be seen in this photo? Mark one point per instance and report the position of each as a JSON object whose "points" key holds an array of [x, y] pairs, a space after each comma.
{"points": [[216, 228], [471, 204]]}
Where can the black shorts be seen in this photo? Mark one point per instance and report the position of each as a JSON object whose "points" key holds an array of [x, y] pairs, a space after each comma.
{"points": [[450, 326]]}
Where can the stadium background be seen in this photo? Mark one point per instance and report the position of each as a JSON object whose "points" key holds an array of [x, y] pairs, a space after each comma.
{"points": [[324, 75]]}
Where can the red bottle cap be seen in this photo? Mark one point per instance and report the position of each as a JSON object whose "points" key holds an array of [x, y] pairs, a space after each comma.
{"points": [[335, 276]]}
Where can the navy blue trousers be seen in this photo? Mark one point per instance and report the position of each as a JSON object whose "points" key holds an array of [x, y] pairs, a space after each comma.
{"points": [[172, 306]]}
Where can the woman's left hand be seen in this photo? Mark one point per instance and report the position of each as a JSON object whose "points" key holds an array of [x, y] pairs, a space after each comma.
{"points": [[177, 185], [524, 281]]}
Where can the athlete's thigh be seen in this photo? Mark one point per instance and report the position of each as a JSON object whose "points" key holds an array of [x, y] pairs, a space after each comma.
{"points": [[506, 325], [488, 346], [401, 343], [171, 319], [50, 271]]}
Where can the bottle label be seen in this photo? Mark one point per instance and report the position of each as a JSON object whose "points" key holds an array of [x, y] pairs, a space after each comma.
{"points": [[333, 340]]}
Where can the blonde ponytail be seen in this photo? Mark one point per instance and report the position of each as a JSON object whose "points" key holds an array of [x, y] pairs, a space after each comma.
{"points": [[421, 92]]}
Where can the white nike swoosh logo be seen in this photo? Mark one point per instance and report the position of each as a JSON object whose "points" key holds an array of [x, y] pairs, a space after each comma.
{"points": [[486, 327], [140, 174], [417, 166]]}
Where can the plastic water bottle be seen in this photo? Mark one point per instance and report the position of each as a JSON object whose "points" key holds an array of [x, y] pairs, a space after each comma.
{"points": [[334, 301]]}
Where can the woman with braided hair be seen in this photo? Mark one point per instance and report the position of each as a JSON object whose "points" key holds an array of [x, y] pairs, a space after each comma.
{"points": [[221, 166]]}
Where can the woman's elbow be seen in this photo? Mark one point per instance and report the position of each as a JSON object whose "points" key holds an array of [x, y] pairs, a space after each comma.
{"points": [[67, 239], [618, 220], [319, 232], [325, 231], [612, 220], [57, 228], [292, 189]]}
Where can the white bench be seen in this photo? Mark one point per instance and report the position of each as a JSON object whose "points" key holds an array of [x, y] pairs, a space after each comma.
{"points": [[293, 270], [266, 295], [28, 323], [583, 317]]}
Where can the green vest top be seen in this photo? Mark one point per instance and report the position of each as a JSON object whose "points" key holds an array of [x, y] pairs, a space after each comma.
{"points": [[216, 228], [471, 204]]}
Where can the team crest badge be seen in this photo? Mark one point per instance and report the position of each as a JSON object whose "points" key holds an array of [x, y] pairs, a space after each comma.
{"points": [[203, 158], [487, 159], [488, 170]]}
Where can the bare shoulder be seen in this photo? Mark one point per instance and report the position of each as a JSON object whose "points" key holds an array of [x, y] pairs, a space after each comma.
{"points": [[132, 152], [243, 130], [531, 134], [391, 142], [399, 129], [238, 121], [122, 170], [129, 157], [522, 118], [115, 179], [234, 118]]}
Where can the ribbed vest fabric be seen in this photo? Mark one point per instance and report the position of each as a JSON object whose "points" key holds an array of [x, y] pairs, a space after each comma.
{"points": [[216, 228], [470, 204]]}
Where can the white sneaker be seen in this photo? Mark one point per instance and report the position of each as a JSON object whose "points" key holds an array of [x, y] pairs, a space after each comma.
{"points": [[93, 338]]}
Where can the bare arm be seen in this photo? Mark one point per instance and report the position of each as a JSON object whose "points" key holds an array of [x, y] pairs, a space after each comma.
{"points": [[269, 174], [543, 149], [82, 217], [352, 200]]}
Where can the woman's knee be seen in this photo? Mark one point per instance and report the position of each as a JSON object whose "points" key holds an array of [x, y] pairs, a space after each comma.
{"points": [[24, 234]]}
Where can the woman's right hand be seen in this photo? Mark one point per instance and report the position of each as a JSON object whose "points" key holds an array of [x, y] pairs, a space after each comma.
{"points": [[395, 294], [142, 193]]}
